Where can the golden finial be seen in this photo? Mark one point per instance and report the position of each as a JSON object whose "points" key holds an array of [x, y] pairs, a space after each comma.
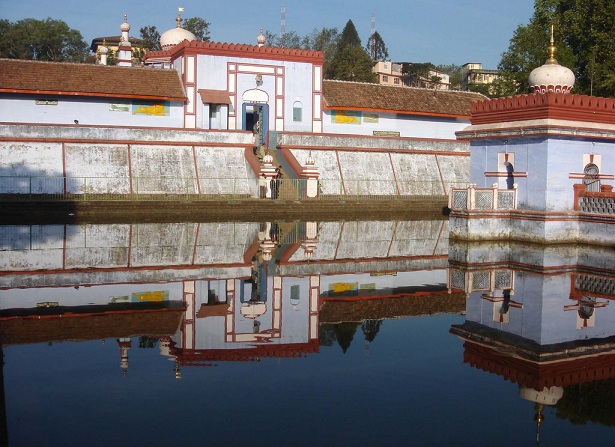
{"points": [[179, 18], [538, 418], [552, 50]]}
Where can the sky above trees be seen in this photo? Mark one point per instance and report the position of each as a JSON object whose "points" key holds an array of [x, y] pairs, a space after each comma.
{"points": [[438, 31]]}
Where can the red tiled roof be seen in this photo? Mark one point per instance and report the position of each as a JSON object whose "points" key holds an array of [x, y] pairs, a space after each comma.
{"points": [[55, 78], [343, 95], [82, 327], [215, 96]]}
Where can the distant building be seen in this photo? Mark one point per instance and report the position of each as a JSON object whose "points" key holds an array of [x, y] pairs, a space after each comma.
{"points": [[473, 74], [389, 73]]}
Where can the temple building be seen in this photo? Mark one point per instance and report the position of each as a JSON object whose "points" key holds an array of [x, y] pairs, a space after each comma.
{"points": [[540, 165], [203, 110]]}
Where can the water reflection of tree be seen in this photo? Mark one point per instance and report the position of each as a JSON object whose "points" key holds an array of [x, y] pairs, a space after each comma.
{"points": [[343, 333], [589, 402], [370, 329], [147, 342]]}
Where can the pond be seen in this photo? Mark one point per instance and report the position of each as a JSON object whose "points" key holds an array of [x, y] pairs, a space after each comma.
{"points": [[301, 333]]}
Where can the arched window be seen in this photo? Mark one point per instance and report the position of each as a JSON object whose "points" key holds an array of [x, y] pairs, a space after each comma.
{"points": [[591, 180]]}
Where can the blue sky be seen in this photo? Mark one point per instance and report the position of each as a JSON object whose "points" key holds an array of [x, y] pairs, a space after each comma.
{"points": [[437, 31]]}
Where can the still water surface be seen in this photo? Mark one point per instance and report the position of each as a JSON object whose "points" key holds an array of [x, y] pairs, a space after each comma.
{"points": [[331, 333]]}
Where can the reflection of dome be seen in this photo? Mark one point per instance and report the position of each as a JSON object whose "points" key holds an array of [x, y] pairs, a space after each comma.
{"points": [[551, 77], [172, 37], [548, 396]]}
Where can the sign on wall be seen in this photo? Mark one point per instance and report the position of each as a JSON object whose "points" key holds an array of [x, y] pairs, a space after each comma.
{"points": [[161, 108], [345, 117]]}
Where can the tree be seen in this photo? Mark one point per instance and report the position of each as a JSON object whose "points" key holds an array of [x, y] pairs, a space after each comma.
{"points": [[288, 40], [349, 37], [45, 40], [353, 63], [585, 40], [454, 75], [150, 37], [325, 40], [350, 62], [199, 27], [417, 74], [376, 48], [589, 27]]}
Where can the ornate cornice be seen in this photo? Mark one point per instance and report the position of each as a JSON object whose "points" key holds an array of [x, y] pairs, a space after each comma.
{"points": [[240, 50], [559, 106]]}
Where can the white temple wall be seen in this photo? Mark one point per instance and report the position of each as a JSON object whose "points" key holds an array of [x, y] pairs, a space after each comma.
{"points": [[88, 111], [371, 123], [283, 82], [548, 185]]}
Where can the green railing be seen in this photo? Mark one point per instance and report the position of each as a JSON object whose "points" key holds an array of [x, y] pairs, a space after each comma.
{"points": [[192, 189]]}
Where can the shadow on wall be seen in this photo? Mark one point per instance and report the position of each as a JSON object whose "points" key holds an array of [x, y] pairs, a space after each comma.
{"points": [[33, 196]]}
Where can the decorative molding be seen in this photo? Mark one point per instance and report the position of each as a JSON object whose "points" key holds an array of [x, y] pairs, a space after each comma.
{"points": [[540, 106]]}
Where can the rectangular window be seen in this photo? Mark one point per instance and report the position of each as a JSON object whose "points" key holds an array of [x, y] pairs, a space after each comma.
{"points": [[395, 80], [297, 114], [385, 79]]}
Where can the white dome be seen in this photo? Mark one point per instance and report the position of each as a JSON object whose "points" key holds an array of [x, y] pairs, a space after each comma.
{"points": [[174, 36], [551, 77]]}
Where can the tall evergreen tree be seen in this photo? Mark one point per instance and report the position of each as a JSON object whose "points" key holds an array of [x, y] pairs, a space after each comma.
{"points": [[351, 62], [376, 48], [349, 37]]}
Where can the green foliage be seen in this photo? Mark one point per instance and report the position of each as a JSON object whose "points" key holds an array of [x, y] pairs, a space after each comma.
{"points": [[45, 40], [326, 41], [417, 74], [349, 37], [376, 48], [150, 37], [352, 63], [454, 73], [199, 27], [585, 41], [589, 402], [287, 40]]}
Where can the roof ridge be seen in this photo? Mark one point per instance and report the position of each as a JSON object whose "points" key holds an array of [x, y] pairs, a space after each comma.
{"points": [[404, 87]]}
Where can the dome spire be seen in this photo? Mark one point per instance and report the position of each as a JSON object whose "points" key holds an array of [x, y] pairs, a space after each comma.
{"points": [[179, 17], [551, 77], [552, 49]]}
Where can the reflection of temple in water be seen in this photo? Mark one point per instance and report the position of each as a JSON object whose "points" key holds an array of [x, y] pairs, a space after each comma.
{"points": [[540, 317], [211, 292]]}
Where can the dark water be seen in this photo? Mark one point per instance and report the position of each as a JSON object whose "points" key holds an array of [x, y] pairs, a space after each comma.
{"points": [[357, 333]]}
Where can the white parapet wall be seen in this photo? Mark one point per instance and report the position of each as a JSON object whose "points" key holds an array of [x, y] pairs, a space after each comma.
{"points": [[93, 160], [363, 165]]}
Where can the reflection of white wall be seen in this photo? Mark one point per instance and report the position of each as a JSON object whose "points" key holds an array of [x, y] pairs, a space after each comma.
{"points": [[83, 296], [213, 332], [375, 239], [420, 278], [542, 318]]}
